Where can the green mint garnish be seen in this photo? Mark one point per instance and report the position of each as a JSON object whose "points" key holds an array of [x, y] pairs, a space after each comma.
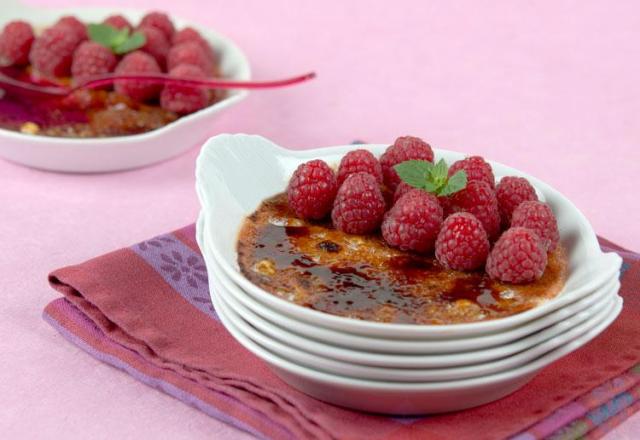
{"points": [[135, 41], [433, 178], [118, 40]]}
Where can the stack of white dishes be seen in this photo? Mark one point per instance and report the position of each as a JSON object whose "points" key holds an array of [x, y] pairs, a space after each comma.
{"points": [[385, 367]]}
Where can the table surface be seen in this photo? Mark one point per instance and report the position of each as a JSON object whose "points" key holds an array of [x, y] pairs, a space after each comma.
{"points": [[548, 87]]}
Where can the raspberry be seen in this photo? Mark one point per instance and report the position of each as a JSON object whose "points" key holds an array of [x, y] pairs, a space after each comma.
{"points": [[189, 53], [511, 191], [52, 52], [462, 242], [476, 169], [138, 62], [538, 217], [413, 222], [118, 22], [76, 26], [312, 189], [156, 44], [403, 149], [161, 21], [404, 187], [401, 189], [91, 59], [517, 257], [447, 205], [357, 161], [184, 99], [478, 199], [190, 34], [15, 43], [186, 34], [359, 205]]}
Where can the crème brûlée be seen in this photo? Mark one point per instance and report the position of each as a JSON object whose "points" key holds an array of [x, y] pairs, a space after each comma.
{"points": [[314, 265]]}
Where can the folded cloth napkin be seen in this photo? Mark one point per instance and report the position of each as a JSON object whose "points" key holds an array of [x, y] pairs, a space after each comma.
{"points": [[146, 310]]}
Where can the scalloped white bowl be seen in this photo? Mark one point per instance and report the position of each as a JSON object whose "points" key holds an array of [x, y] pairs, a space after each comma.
{"points": [[234, 173], [121, 152], [387, 352], [410, 368], [405, 398], [362, 362]]}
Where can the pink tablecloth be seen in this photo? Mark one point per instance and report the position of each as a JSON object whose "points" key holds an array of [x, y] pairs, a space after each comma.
{"points": [[550, 88]]}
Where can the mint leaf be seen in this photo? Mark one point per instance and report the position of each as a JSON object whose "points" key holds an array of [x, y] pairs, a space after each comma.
{"points": [[103, 34], [454, 184], [430, 187], [431, 178], [438, 176], [439, 171], [120, 38], [414, 172], [135, 41]]}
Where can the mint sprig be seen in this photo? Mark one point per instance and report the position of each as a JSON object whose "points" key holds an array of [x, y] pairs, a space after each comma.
{"points": [[433, 178], [120, 41]]}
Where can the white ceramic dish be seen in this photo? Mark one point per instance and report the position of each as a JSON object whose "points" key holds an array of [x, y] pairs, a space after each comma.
{"points": [[426, 367], [469, 364], [235, 173], [123, 152], [407, 398], [366, 350]]}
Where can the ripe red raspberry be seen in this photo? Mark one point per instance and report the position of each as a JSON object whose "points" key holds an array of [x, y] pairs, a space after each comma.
{"points": [[76, 26], [15, 43], [190, 34], [476, 169], [478, 199], [91, 59], [52, 52], [312, 189], [538, 217], [186, 34], [447, 205], [404, 187], [118, 22], [511, 191], [189, 53], [359, 205], [184, 99], [357, 161], [161, 21], [517, 257], [413, 222], [156, 44], [403, 149], [138, 62], [462, 242], [401, 189]]}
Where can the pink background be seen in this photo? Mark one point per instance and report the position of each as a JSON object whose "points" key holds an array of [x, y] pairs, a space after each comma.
{"points": [[548, 87]]}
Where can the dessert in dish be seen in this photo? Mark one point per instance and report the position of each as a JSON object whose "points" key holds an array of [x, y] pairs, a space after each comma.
{"points": [[403, 239], [70, 52]]}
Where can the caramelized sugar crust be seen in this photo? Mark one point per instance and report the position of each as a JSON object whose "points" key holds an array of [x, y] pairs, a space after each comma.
{"points": [[317, 266], [87, 113]]}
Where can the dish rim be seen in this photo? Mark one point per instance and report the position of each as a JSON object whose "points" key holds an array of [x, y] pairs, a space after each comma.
{"points": [[277, 362], [565, 333], [364, 355], [464, 360]]}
